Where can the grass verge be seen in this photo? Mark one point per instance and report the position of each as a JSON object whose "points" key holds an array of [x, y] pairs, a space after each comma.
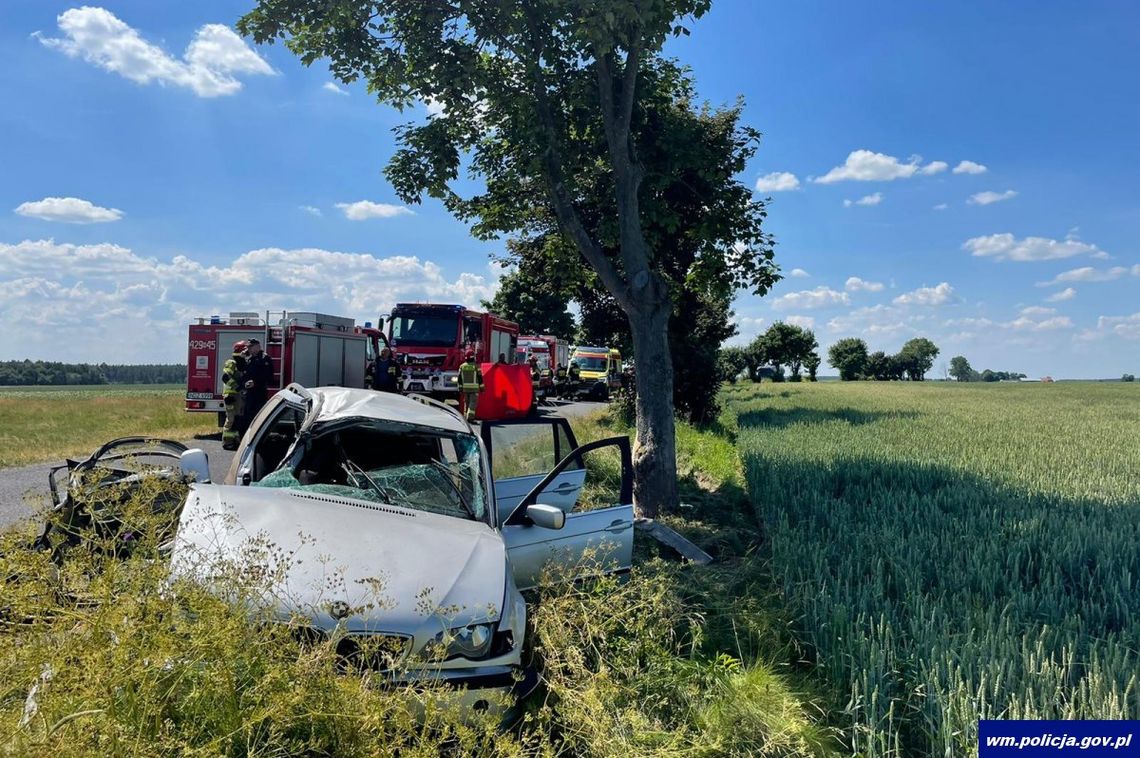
{"points": [[38, 425]]}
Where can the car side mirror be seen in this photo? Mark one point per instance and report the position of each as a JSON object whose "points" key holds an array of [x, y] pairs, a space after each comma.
{"points": [[546, 516], [195, 465]]}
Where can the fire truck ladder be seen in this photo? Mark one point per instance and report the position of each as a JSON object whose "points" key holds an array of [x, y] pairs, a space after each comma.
{"points": [[277, 362]]}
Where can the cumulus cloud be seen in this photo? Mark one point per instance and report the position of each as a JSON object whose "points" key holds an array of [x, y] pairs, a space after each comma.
{"points": [[869, 166], [1006, 247], [75, 295], [362, 210], [799, 273], [941, 207], [210, 67], [1037, 310], [939, 295], [804, 322], [855, 284], [312, 210], [876, 321], [1090, 274], [820, 297], [781, 181], [874, 199], [969, 167], [69, 210], [1059, 297], [332, 87], [1127, 327], [988, 197]]}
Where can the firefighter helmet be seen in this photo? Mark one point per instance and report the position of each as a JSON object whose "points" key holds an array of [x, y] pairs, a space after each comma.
{"points": [[469, 355], [240, 346]]}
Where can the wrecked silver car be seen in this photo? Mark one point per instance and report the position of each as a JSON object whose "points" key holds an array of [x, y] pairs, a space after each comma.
{"points": [[400, 540]]}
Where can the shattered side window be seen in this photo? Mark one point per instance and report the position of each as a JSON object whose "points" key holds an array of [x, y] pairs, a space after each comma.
{"points": [[425, 472]]}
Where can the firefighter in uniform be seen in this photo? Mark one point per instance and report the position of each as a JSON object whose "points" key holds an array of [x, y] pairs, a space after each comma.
{"points": [[232, 373], [535, 378], [575, 377], [560, 380], [255, 384], [470, 385], [386, 377]]}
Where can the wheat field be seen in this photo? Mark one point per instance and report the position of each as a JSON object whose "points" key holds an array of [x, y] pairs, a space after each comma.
{"points": [[953, 552]]}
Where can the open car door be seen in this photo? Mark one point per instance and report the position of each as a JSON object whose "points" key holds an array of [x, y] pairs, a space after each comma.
{"points": [[522, 454], [597, 537]]}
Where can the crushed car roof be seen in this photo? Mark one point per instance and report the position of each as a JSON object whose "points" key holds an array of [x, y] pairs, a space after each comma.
{"points": [[336, 403]]}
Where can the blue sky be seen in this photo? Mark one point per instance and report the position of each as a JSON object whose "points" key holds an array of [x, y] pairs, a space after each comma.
{"points": [[156, 168]]}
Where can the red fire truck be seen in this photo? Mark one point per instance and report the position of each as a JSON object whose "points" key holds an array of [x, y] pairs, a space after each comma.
{"points": [[430, 341], [551, 353], [314, 349]]}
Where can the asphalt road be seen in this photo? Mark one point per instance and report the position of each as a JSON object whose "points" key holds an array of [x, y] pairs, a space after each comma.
{"points": [[24, 490]]}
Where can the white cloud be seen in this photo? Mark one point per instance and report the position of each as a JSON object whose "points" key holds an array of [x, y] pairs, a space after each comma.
{"points": [[312, 210], [939, 295], [362, 210], [1007, 247], [434, 107], [210, 66], [1127, 327], [988, 197], [1046, 325], [874, 199], [70, 210], [332, 87], [855, 284], [820, 297], [1090, 274], [781, 181], [1037, 310], [875, 321], [1059, 297], [868, 166], [804, 322], [799, 273], [934, 167], [74, 295], [941, 207], [747, 328], [969, 167]]}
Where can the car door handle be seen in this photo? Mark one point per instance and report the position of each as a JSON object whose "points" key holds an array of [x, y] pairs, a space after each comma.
{"points": [[565, 488], [619, 526]]}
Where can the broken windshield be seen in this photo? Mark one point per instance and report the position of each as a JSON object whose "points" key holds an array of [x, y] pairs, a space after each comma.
{"points": [[391, 463]]}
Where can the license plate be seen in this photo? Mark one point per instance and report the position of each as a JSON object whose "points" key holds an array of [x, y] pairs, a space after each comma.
{"points": [[199, 395], [416, 386]]}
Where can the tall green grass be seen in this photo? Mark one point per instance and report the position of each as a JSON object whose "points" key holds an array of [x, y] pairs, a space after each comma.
{"points": [[954, 552]]}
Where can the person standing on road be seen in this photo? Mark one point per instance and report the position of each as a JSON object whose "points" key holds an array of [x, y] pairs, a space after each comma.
{"points": [[575, 378], [255, 383], [535, 380], [232, 373], [386, 373], [470, 385], [560, 380]]}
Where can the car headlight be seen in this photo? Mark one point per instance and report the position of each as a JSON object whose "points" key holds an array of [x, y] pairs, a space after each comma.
{"points": [[472, 642], [453, 379]]}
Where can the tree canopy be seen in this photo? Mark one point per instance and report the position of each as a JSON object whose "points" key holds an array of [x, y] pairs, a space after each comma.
{"points": [[849, 356]]}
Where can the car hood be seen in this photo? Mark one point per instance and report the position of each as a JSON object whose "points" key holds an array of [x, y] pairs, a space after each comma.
{"points": [[370, 567]]}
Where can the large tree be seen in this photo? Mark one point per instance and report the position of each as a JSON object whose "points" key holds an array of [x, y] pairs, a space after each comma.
{"points": [[917, 357], [961, 369], [789, 344], [541, 100], [849, 355]]}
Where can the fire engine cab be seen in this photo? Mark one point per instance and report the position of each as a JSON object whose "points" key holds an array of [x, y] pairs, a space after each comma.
{"points": [[430, 339], [313, 349]]}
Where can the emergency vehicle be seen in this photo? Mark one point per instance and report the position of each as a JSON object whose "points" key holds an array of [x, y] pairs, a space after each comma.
{"points": [[550, 353], [600, 371], [430, 339], [312, 349]]}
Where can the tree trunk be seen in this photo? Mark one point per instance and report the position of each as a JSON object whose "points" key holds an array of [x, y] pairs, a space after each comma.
{"points": [[655, 447]]}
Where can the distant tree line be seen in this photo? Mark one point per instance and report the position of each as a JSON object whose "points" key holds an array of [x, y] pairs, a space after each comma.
{"points": [[766, 356], [28, 373], [913, 361], [962, 371]]}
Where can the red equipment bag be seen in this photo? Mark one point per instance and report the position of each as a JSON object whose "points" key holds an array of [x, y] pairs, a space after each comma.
{"points": [[508, 392]]}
